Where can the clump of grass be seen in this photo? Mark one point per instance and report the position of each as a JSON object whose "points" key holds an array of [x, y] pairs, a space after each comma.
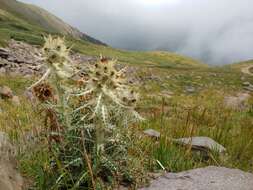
{"points": [[202, 115]]}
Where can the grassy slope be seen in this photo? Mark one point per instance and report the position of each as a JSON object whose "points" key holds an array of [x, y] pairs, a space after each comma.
{"points": [[201, 113], [42, 18]]}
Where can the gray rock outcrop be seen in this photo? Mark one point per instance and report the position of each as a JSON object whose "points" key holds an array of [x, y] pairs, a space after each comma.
{"points": [[209, 178], [10, 178]]}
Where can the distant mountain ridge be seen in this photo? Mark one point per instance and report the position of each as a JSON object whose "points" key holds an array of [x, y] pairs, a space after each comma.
{"points": [[42, 18], [28, 23]]}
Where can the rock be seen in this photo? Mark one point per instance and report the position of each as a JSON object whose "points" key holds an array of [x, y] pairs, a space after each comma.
{"points": [[10, 178], [6, 92], [209, 178], [20, 58], [4, 53], [190, 89], [152, 133], [15, 100], [155, 175], [2, 71], [7, 151], [201, 143], [246, 84], [237, 102], [248, 88]]}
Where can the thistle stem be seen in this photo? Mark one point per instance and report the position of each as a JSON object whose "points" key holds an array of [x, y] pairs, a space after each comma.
{"points": [[41, 79]]}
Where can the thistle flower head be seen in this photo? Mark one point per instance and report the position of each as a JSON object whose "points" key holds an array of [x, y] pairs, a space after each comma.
{"points": [[56, 54], [44, 92], [103, 75], [55, 49], [108, 96], [104, 78]]}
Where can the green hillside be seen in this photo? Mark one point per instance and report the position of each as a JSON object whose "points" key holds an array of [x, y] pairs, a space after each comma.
{"points": [[42, 18], [176, 95]]}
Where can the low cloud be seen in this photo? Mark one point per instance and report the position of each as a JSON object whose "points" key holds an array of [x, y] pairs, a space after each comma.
{"points": [[215, 31]]}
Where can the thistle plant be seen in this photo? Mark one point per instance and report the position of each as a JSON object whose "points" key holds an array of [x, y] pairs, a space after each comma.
{"points": [[59, 70], [94, 117], [106, 107]]}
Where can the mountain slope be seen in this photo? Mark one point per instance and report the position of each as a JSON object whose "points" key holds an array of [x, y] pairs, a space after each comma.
{"points": [[28, 23], [37, 16]]}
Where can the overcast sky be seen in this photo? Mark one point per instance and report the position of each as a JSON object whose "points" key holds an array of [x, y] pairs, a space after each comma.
{"points": [[216, 31]]}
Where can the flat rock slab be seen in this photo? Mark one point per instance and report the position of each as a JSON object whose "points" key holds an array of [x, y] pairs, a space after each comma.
{"points": [[152, 133], [209, 178], [10, 178], [201, 143]]}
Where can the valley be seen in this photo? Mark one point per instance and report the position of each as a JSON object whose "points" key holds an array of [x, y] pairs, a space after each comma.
{"points": [[179, 97]]}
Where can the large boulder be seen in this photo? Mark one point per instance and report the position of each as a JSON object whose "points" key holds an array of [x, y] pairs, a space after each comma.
{"points": [[6, 148], [209, 178], [10, 178]]}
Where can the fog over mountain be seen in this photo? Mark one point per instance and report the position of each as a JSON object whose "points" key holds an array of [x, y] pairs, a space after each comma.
{"points": [[215, 31]]}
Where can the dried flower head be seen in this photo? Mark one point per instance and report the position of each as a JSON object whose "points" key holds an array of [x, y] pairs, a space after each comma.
{"points": [[44, 92]]}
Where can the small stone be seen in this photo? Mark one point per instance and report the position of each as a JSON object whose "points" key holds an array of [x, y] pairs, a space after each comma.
{"points": [[190, 89], [6, 92], [152, 133], [2, 71], [248, 88], [246, 84], [201, 143], [15, 100], [238, 102]]}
